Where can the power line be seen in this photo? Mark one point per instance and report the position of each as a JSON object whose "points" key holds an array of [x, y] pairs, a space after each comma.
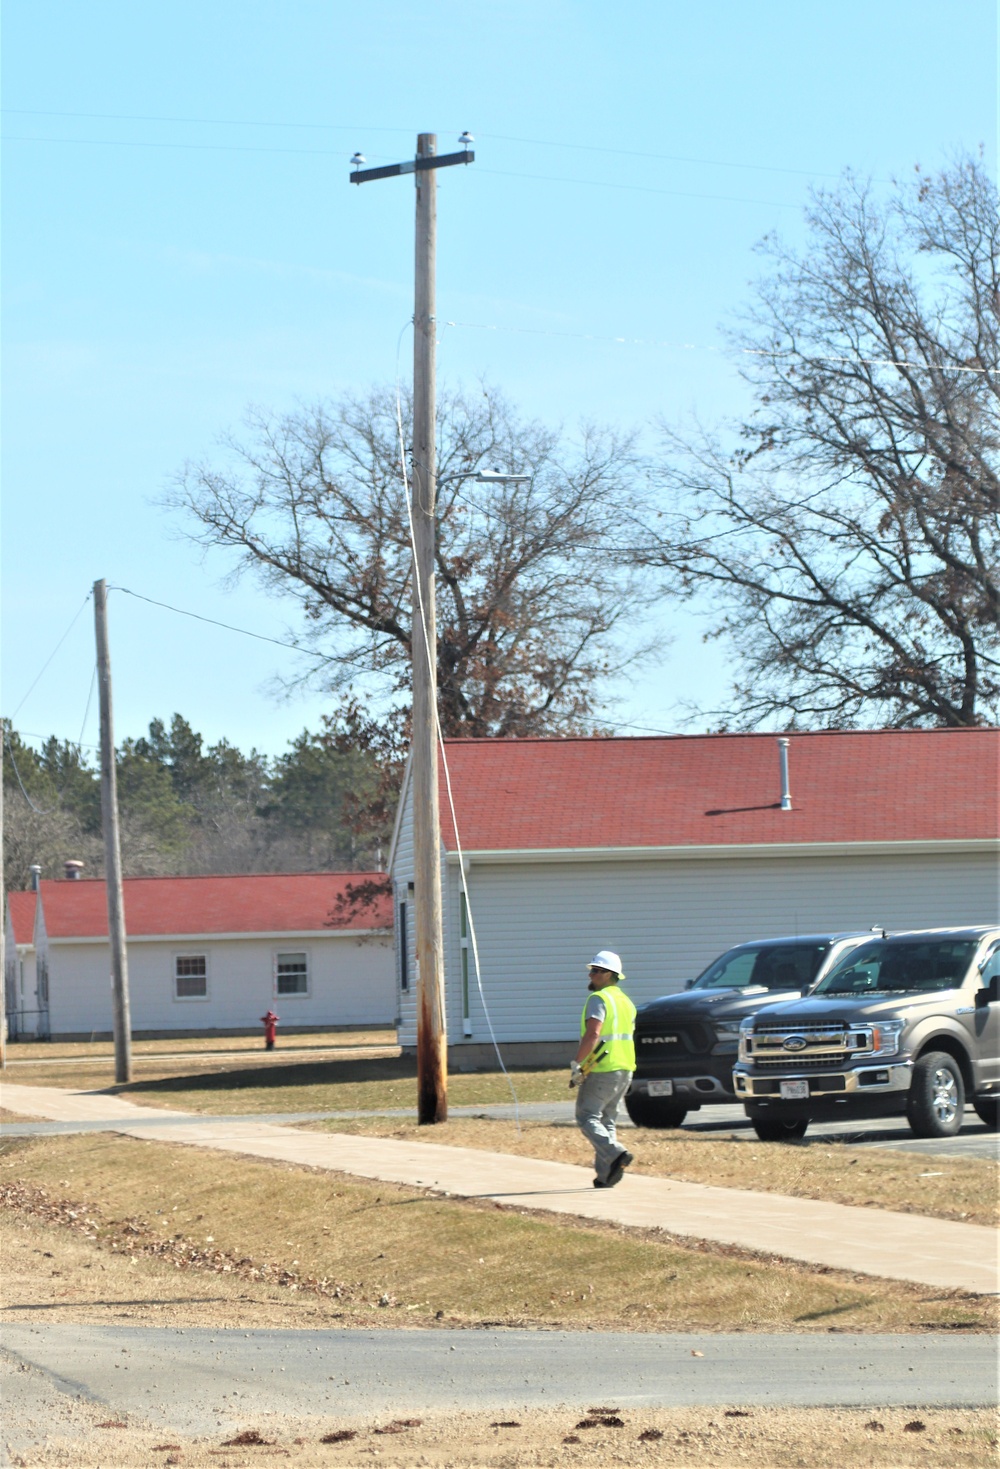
{"points": [[49, 659], [329, 153], [37, 809], [538, 331], [86, 712], [358, 131], [549, 178], [184, 147], [229, 627]]}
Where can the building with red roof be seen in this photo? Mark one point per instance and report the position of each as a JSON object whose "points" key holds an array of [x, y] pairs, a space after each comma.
{"points": [[204, 953], [670, 849]]}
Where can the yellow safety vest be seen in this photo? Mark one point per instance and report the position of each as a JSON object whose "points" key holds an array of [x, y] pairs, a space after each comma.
{"points": [[616, 1032]]}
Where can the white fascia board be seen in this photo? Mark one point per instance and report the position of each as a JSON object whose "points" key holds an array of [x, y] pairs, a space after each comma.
{"points": [[206, 938], [403, 793], [748, 850]]}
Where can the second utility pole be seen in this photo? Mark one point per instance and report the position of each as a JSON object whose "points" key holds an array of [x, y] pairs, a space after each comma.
{"points": [[432, 1034], [121, 1019]]}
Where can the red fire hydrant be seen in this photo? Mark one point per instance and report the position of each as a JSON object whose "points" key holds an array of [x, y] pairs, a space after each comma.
{"points": [[270, 1023]]}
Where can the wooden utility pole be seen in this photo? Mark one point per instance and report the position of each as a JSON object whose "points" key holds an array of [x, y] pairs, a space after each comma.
{"points": [[121, 1020], [3, 928], [432, 1037]]}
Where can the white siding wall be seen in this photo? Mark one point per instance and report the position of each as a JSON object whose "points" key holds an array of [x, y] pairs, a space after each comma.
{"points": [[539, 923], [350, 983]]}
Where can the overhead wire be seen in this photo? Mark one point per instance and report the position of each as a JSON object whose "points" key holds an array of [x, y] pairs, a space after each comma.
{"points": [[431, 656], [37, 809], [49, 659], [623, 341], [214, 622]]}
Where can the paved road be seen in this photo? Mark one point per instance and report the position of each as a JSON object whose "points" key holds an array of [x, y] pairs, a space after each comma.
{"points": [[217, 1378], [974, 1141]]}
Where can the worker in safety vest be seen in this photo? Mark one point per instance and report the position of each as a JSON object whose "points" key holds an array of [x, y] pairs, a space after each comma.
{"points": [[603, 1066]]}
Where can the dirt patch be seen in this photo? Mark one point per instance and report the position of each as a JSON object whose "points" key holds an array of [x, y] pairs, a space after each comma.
{"points": [[269, 1243], [964, 1189], [821, 1438]]}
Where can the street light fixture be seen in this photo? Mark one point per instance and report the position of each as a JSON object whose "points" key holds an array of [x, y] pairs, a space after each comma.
{"points": [[486, 477]]}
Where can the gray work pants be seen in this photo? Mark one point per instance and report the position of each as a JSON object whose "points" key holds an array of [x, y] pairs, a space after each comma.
{"points": [[597, 1101]]}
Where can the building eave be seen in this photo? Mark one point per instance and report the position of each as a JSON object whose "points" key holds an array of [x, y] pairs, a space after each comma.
{"points": [[277, 936], [730, 851]]}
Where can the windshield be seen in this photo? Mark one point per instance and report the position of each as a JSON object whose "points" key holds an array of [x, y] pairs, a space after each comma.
{"points": [[770, 966], [917, 966]]}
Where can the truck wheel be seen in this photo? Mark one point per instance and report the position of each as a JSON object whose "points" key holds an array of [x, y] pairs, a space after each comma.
{"points": [[653, 1111], [780, 1132], [988, 1111], [937, 1096]]}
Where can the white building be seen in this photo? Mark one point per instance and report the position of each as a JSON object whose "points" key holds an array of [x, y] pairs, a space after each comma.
{"points": [[669, 850], [204, 954]]}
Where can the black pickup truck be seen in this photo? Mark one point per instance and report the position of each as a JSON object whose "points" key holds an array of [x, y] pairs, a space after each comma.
{"points": [[685, 1044], [907, 1024]]}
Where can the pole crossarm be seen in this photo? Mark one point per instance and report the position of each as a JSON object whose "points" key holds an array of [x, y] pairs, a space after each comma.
{"points": [[413, 165]]}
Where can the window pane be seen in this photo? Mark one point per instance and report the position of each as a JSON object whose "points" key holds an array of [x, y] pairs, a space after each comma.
{"points": [[293, 977], [190, 976]]}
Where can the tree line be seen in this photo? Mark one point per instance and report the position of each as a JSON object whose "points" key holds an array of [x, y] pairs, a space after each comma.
{"points": [[327, 803]]}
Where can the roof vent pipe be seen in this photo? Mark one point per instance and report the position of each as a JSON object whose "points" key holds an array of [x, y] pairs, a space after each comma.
{"points": [[73, 869], [786, 794], [36, 876]]}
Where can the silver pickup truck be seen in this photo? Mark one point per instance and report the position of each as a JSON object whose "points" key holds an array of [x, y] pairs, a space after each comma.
{"points": [[907, 1024]]}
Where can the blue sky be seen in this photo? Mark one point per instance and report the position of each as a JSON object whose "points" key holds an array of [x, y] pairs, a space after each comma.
{"points": [[180, 241]]}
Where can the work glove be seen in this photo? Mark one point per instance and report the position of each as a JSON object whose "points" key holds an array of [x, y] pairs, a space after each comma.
{"points": [[575, 1073]]}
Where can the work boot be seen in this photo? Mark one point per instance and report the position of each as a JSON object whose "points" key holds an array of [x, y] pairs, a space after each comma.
{"points": [[618, 1167]]}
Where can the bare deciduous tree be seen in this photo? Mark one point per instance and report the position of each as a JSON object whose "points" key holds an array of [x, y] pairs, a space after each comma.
{"points": [[848, 544], [529, 597]]}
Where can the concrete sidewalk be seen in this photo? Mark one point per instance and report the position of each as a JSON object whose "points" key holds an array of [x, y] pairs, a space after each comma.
{"points": [[932, 1252]]}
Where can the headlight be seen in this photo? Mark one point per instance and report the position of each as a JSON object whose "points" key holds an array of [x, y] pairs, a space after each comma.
{"points": [[885, 1037], [746, 1027], [727, 1030]]}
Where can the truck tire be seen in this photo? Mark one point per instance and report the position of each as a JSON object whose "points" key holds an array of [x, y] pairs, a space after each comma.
{"points": [[654, 1111], [937, 1096], [988, 1111], [780, 1132]]}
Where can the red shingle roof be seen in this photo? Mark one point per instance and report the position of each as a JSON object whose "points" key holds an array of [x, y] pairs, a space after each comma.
{"points": [[707, 790], [261, 903]]}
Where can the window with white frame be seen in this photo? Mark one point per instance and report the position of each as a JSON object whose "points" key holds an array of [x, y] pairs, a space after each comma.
{"points": [[291, 974], [190, 977]]}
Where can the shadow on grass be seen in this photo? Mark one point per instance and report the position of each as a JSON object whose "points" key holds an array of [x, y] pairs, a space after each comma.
{"points": [[271, 1077]]}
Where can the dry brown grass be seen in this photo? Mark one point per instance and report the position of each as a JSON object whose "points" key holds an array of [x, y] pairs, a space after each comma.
{"points": [[943, 1188], [369, 1241], [278, 1082], [775, 1438], [42, 1053]]}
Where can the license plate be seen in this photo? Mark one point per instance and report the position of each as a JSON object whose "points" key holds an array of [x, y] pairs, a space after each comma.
{"points": [[794, 1090], [660, 1088]]}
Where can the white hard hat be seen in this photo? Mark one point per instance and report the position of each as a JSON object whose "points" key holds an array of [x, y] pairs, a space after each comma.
{"points": [[606, 959]]}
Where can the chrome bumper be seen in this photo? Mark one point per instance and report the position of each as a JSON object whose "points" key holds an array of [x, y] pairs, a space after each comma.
{"points": [[861, 1079]]}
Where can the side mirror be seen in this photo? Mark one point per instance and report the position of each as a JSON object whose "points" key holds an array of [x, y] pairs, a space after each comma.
{"points": [[689, 984], [989, 994]]}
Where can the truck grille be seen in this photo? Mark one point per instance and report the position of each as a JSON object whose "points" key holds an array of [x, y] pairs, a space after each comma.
{"points": [[667, 1041], [806, 1047]]}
